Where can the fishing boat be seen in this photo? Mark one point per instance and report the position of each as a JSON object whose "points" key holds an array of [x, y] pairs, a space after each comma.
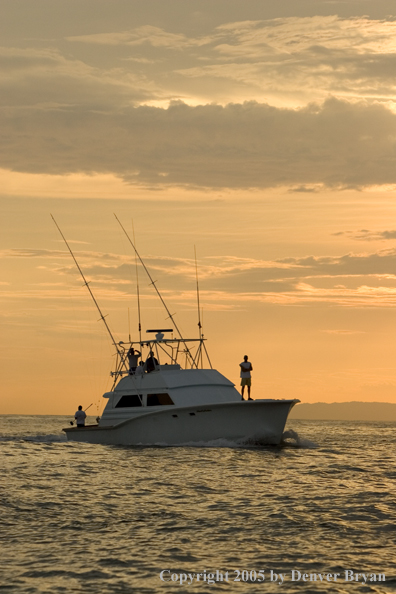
{"points": [[165, 404], [173, 396]]}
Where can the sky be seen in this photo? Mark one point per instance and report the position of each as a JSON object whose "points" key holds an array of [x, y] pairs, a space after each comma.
{"points": [[259, 135]]}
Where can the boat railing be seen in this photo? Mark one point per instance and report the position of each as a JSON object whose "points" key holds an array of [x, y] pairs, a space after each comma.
{"points": [[166, 352]]}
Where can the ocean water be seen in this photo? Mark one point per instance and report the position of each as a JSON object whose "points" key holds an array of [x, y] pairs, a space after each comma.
{"points": [[104, 519]]}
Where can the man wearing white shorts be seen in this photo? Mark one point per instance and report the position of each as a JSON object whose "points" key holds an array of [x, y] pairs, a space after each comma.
{"points": [[246, 377]]}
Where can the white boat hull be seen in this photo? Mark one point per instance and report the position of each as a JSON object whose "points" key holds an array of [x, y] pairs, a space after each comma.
{"points": [[255, 421]]}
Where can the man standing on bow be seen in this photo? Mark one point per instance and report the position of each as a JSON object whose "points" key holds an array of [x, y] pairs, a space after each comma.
{"points": [[246, 377]]}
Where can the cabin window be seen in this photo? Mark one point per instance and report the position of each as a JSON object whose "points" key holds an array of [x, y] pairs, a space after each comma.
{"points": [[128, 401], [158, 399]]}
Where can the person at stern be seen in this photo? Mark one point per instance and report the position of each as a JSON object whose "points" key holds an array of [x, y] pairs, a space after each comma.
{"points": [[80, 417]]}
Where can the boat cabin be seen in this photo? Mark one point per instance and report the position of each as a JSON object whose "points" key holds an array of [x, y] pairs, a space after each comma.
{"points": [[143, 390]]}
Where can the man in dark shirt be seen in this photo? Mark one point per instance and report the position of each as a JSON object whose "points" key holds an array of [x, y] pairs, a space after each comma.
{"points": [[151, 362]]}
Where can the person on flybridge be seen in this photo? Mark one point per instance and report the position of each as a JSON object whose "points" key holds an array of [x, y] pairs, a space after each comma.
{"points": [[151, 363], [140, 368], [246, 376], [133, 357]]}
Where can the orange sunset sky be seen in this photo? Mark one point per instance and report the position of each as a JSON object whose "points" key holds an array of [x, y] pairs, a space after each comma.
{"points": [[262, 133]]}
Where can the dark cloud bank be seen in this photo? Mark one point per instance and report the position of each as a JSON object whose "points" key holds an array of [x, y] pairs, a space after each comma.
{"points": [[338, 144]]}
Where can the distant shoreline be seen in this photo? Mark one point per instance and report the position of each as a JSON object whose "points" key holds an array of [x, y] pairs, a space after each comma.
{"points": [[345, 411]]}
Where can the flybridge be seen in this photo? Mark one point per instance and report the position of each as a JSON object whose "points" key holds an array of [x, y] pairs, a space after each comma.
{"points": [[168, 352]]}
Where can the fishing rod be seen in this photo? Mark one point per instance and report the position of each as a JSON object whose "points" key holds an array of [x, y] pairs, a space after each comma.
{"points": [[157, 291], [102, 317]]}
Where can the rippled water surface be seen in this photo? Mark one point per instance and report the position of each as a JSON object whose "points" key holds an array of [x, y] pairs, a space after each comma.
{"points": [[105, 519]]}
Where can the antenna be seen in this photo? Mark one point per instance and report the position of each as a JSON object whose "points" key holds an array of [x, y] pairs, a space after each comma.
{"points": [[199, 311], [157, 291], [102, 317]]}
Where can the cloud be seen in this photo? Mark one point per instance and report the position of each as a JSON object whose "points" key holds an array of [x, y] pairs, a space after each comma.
{"points": [[369, 235], [336, 144], [147, 34], [306, 189], [363, 280], [288, 61], [343, 332], [44, 78], [283, 61], [301, 102], [293, 35], [368, 280], [313, 54], [213, 268], [49, 254], [377, 263]]}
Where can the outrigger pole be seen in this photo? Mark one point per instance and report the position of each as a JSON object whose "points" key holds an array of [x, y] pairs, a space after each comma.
{"points": [[102, 317], [137, 289], [158, 293]]}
